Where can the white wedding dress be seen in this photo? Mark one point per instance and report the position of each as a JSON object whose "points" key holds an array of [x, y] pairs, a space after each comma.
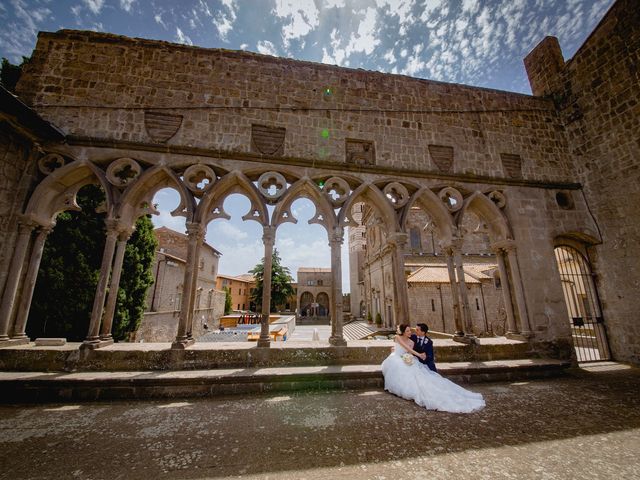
{"points": [[425, 387]]}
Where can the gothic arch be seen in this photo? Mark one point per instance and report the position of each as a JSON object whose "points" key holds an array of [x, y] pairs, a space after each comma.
{"points": [[211, 206], [433, 205], [371, 194], [305, 188], [57, 192], [487, 211], [137, 199]]}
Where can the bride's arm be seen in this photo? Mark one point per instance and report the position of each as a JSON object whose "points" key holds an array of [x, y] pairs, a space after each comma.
{"points": [[406, 346]]}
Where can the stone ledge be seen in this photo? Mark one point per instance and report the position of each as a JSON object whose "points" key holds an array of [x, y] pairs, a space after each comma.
{"points": [[23, 387]]}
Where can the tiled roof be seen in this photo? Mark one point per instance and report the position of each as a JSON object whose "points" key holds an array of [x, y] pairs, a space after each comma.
{"points": [[433, 274], [314, 269]]}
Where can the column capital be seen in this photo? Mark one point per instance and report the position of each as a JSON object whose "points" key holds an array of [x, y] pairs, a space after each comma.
{"points": [[397, 239], [337, 236], [195, 230], [26, 224], [505, 245], [269, 234]]}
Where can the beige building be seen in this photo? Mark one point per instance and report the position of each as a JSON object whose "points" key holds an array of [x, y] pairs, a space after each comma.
{"points": [[314, 289], [240, 288], [165, 297], [556, 169]]}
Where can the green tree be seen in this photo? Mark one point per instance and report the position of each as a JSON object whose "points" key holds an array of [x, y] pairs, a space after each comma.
{"points": [[227, 301], [70, 268], [281, 280], [10, 73], [136, 279]]}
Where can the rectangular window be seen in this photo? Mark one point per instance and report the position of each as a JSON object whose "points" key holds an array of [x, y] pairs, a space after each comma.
{"points": [[477, 304], [433, 305], [414, 239]]}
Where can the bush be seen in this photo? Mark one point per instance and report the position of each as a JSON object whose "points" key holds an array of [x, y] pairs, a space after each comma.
{"points": [[378, 319]]}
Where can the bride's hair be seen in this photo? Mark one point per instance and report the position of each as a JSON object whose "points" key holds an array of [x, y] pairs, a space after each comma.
{"points": [[402, 327]]}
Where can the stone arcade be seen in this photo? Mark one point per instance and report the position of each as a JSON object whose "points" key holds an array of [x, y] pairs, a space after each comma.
{"points": [[560, 168]]}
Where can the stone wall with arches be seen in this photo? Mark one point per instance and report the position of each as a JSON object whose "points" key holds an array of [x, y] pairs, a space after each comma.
{"points": [[275, 130]]}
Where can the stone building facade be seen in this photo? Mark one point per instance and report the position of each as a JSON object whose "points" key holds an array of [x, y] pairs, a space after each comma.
{"points": [[314, 291], [164, 298], [240, 287], [556, 168]]}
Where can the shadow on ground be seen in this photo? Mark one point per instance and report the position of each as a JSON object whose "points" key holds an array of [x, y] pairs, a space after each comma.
{"points": [[586, 423]]}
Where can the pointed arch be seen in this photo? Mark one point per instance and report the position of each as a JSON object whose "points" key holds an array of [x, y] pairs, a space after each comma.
{"points": [[57, 192], [431, 203], [137, 199], [369, 193], [305, 188], [481, 205], [232, 182]]}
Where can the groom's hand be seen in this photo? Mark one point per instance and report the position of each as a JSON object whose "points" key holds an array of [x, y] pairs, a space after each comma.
{"points": [[423, 356]]}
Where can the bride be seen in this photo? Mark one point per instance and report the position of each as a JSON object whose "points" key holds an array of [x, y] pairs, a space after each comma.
{"points": [[405, 377]]}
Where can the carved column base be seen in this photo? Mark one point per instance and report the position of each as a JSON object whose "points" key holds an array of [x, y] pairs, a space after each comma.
{"points": [[105, 342], [522, 336], [337, 341], [182, 343], [466, 339], [12, 342], [264, 342], [91, 344]]}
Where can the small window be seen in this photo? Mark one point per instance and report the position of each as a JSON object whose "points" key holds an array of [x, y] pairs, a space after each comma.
{"points": [[319, 282], [201, 264], [477, 304], [433, 305]]}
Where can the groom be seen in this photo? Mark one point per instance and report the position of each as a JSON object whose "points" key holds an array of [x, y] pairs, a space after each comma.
{"points": [[422, 343]]}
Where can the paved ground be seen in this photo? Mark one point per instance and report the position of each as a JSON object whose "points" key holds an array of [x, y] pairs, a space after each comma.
{"points": [[305, 333], [585, 425]]}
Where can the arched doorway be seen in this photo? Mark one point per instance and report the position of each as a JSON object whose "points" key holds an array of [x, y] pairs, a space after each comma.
{"points": [[306, 305], [583, 305]]}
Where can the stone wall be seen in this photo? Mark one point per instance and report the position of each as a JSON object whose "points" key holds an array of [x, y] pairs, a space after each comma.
{"points": [[163, 326], [17, 172], [330, 114], [598, 95]]}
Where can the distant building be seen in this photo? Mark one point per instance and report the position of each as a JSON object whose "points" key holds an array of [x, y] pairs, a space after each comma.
{"points": [[240, 287], [164, 298], [314, 292]]}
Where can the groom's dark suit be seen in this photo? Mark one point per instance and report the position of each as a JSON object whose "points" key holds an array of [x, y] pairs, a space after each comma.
{"points": [[426, 346]]}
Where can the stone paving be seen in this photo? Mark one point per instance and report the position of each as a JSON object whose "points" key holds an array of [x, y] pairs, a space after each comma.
{"points": [[583, 425]]}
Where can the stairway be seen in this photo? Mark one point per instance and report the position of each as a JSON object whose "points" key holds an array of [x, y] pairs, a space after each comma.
{"points": [[357, 330]]}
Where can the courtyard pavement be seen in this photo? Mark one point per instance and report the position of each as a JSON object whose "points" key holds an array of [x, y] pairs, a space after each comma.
{"points": [[584, 425]]}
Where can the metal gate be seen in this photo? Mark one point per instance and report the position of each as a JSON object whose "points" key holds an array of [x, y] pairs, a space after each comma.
{"points": [[583, 305]]}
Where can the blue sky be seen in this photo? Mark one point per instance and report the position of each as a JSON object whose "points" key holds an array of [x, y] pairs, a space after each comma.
{"points": [[479, 43]]}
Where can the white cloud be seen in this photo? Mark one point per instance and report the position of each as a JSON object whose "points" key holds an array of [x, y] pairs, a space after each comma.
{"points": [[224, 20], [232, 232], [303, 17], [94, 5], [182, 38], [126, 5], [158, 18], [365, 39], [390, 57], [267, 48]]}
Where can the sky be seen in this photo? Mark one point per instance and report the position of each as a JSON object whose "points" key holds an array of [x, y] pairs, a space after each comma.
{"points": [[474, 42]]}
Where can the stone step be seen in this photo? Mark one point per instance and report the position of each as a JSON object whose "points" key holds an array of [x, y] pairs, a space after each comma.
{"points": [[25, 387], [357, 330]]}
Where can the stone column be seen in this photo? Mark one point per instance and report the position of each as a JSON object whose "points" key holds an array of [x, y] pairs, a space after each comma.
{"points": [[112, 298], [183, 337], [525, 327], [464, 297], [269, 239], [398, 242], [29, 284], [448, 255], [25, 228], [93, 338], [506, 291], [337, 338], [194, 285]]}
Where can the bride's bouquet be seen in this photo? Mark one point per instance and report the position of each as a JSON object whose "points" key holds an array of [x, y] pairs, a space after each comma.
{"points": [[407, 358]]}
